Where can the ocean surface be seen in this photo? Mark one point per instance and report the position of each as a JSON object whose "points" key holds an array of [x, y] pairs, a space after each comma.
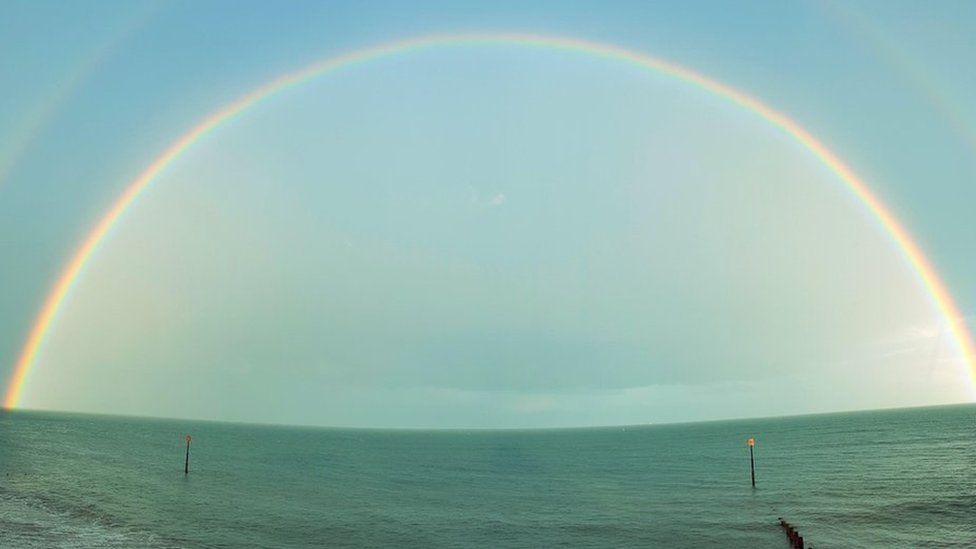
{"points": [[902, 478]]}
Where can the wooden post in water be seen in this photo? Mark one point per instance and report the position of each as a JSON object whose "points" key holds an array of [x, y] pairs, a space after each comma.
{"points": [[186, 464], [752, 461], [792, 535]]}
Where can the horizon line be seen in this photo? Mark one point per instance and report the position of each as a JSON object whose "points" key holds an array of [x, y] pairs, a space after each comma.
{"points": [[313, 426]]}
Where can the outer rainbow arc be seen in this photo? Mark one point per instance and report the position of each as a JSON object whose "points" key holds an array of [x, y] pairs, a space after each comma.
{"points": [[910, 249]]}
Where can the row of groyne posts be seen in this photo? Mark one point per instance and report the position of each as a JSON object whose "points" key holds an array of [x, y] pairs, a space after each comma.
{"points": [[794, 537], [796, 540]]}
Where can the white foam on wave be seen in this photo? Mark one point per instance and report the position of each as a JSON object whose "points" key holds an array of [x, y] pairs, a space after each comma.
{"points": [[26, 524]]}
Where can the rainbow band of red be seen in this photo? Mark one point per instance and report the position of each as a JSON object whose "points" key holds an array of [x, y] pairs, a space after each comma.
{"points": [[913, 254]]}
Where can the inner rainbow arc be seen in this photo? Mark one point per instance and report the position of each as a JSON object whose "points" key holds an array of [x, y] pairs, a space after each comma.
{"points": [[927, 274]]}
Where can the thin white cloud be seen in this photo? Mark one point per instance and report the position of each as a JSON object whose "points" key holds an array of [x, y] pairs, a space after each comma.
{"points": [[496, 200], [493, 201]]}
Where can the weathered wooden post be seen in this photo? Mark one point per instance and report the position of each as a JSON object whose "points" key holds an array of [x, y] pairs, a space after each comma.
{"points": [[186, 464], [752, 462]]}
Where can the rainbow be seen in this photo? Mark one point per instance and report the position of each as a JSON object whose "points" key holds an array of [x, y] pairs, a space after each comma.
{"points": [[39, 118], [909, 248]]}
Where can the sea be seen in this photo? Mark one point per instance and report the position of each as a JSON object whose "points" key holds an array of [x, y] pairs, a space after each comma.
{"points": [[895, 478]]}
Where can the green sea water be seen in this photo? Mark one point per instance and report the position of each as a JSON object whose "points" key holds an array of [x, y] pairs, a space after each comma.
{"points": [[900, 478]]}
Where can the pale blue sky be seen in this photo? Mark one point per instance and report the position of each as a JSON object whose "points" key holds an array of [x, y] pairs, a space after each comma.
{"points": [[485, 236]]}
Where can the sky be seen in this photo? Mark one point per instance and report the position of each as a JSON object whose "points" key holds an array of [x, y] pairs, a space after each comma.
{"points": [[483, 236]]}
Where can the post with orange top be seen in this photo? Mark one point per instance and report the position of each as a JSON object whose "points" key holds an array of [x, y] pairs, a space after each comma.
{"points": [[186, 464], [752, 461]]}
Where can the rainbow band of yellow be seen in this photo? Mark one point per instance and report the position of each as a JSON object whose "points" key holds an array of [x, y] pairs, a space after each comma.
{"points": [[909, 248]]}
